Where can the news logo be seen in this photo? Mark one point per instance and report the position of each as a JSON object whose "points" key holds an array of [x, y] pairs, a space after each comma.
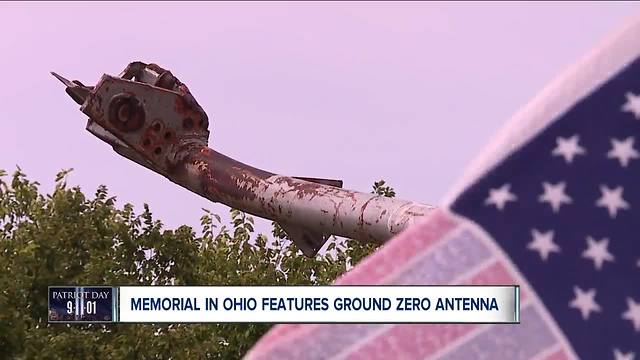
{"points": [[75, 304]]}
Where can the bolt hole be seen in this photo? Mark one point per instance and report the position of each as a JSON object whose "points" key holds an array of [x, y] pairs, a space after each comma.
{"points": [[187, 123], [157, 127], [146, 142], [124, 113], [157, 151], [167, 135]]}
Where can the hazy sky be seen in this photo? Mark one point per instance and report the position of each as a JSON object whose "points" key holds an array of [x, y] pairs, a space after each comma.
{"points": [[357, 91]]}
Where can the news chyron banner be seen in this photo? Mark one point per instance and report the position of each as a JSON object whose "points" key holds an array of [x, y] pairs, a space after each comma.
{"points": [[285, 304]]}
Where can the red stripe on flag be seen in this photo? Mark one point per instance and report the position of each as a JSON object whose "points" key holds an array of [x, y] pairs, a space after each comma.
{"points": [[558, 355], [412, 241], [410, 341], [422, 340], [496, 274]]}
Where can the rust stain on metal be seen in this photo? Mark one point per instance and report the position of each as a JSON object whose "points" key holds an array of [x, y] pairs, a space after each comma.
{"points": [[361, 221]]}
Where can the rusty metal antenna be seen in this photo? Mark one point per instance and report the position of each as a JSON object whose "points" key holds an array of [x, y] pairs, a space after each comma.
{"points": [[148, 116]]}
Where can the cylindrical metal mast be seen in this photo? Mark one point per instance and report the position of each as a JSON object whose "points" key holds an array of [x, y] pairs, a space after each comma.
{"points": [[306, 210]]}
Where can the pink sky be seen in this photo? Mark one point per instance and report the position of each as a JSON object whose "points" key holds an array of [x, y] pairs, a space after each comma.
{"points": [[408, 92]]}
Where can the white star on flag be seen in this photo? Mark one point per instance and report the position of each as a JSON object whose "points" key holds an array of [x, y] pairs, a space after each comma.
{"points": [[633, 313], [555, 195], [585, 302], [623, 151], [632, 105], [568, 148], [543, 243], [500, 196], [612, 200], [619, 355], [598, 252]]}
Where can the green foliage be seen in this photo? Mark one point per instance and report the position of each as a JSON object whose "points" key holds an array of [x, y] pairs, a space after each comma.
{"points": [[380, 188], [68, 238]]}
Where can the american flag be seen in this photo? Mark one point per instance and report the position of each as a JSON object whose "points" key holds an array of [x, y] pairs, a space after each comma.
{"points": [[553, 206]]}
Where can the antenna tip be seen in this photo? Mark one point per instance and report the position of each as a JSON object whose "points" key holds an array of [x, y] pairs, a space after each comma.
{"points": [[62, 79]]}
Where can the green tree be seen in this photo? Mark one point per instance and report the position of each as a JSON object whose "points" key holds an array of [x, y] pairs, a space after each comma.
{"points": [[69, 238]]}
